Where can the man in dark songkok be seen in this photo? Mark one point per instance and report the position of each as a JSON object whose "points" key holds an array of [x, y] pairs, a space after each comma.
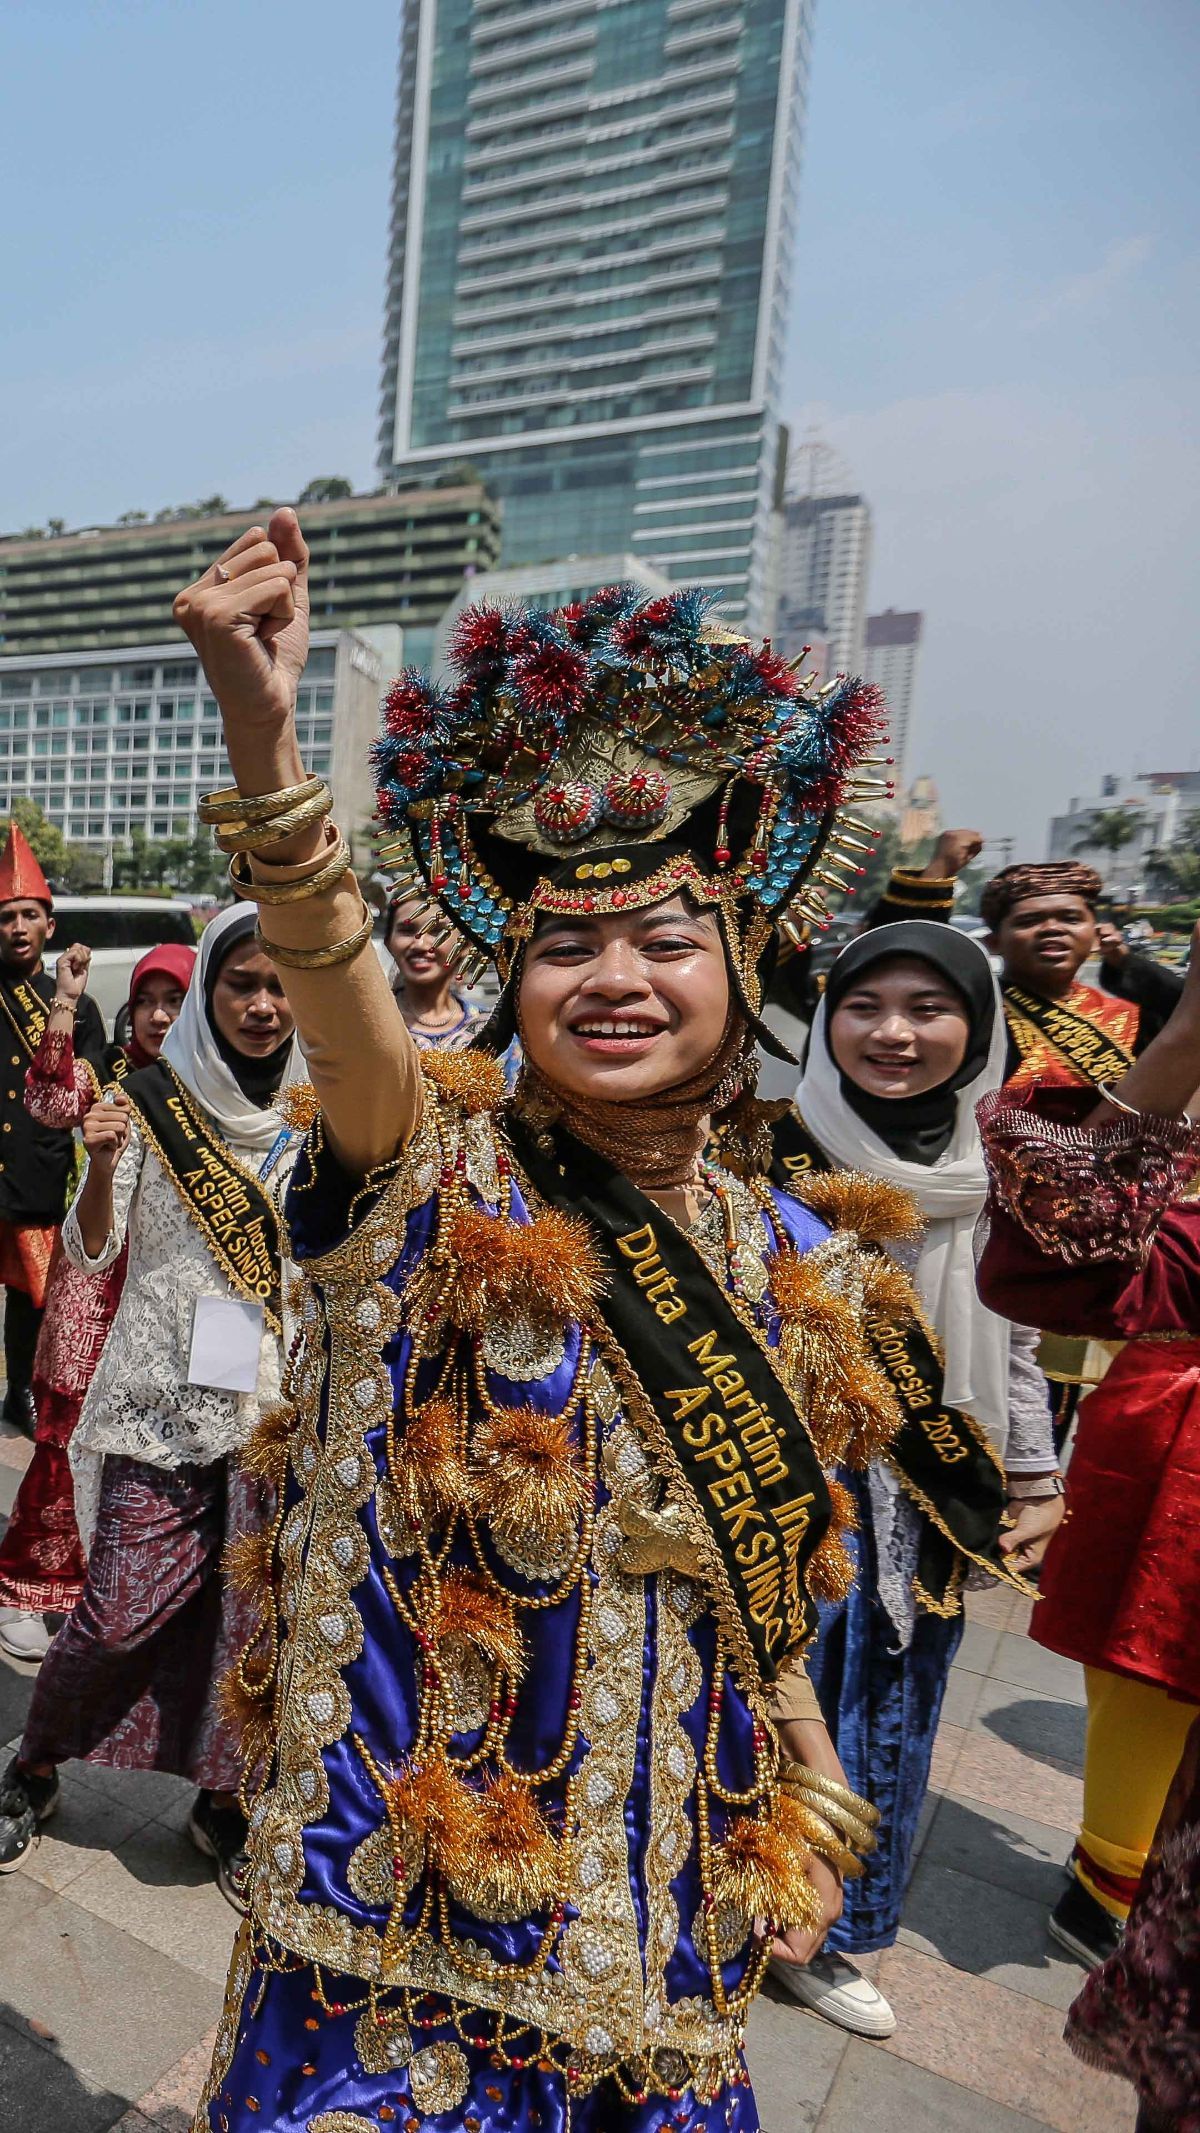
{"points": [[1042, 925]]}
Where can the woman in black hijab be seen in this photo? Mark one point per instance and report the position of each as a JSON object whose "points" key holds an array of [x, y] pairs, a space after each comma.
{"points": [[908, 1037]]}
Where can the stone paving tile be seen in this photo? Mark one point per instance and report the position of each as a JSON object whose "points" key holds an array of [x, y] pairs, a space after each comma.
{"points": [[16, 1688], [946, 1750], [157, 1889], [1004, 1776], [117, 2011], [155, 1793], [1045, 1730], [875, 2095], [41, 2093], [1005, 2046], [15, 1450], [793, 2057], [1019, 1660], [170, 2105], [989, 1932], [996, 1606], [978, 1648], [961, 1697], [86, 1829], [1000, 1847]]}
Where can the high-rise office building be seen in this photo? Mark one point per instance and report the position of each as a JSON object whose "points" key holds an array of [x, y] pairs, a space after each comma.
{"points": [[824, 560], [893, 641], [593, 222]]}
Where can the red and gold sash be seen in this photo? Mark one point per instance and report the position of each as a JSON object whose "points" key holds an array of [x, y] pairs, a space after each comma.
{"points": [[1080, 1041]]}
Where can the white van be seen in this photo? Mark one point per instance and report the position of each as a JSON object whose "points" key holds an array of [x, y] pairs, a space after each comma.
{"points": [[118, 930]]}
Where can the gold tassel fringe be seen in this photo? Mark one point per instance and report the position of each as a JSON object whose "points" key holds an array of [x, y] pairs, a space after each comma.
{"points": [[846, 1199], [470, 1607], [249, 1564], [507, 1863], [472, 1080], [265, 1450], [298, 1105], [429, 1478], [495, 1268], [829, 1574], [887, 1291], [529, 1478], [758, 1872]]}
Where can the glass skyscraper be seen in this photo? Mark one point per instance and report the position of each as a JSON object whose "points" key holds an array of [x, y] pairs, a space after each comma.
{"points": [[593, 223]]}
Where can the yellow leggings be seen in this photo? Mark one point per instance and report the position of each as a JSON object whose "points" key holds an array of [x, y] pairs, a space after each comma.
{"points": [[1135, 1737]]}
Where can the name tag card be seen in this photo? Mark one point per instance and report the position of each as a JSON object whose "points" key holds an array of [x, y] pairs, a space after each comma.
{"points": [[226, 1341]]}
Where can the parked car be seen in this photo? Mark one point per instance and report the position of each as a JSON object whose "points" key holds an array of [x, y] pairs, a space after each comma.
{"points": [[118, 930]]}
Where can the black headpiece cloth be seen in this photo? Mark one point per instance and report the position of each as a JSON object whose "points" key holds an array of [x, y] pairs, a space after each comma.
{"points": [[917, 1128], [258, 1079]]}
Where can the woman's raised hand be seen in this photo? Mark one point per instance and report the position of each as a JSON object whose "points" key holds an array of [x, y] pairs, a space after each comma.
{"points": [[248, 619], [105, 1132]]}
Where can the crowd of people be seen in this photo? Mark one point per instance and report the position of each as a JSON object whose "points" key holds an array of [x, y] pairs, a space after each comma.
{"points": [[528, 1484]]}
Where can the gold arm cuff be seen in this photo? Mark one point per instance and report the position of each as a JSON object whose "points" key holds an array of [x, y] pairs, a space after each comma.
{"points": [[247, 885], [798, 1773], [320, 958], [822, 1838], [234, 837], [230, 805]]}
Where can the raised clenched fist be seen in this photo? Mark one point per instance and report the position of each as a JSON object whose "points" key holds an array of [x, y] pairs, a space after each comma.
{"points": [[71, 973], [105, 1132], [954, 850], [248, 619]]}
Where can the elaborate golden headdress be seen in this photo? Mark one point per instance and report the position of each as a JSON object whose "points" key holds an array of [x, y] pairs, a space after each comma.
{"points": [[612, 754]]}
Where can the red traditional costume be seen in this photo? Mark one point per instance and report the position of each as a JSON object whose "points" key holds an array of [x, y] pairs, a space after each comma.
{"points": [[1097, 1226], [1073, 1217], [41, 1562], [35, 1166]]}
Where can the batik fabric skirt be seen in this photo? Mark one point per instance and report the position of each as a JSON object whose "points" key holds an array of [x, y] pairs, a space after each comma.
{"points": [[42, 1564], [291, 2047], [131, 1679], [882, 1708]]}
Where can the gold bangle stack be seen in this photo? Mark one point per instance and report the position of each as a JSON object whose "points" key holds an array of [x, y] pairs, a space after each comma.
{"points": [[320, 958], [251, 822], [821, 1837], [851, 1822], [245, 884]]}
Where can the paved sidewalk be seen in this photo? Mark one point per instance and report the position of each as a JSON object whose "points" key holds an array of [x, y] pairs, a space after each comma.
{"points": [[114, 1942]]}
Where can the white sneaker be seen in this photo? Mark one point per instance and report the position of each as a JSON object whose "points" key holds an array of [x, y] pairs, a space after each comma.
{"points": [[22, 1635], [832, 1987]]}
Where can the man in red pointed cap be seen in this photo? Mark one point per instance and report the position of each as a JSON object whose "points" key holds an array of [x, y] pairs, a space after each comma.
{"points": [[35, 1161]]}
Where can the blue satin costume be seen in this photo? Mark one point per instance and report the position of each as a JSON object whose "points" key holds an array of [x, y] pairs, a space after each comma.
{"points": [[882, 1709], [623, 1971]]}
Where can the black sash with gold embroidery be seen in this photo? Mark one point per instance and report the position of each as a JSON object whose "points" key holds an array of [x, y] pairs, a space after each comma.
{"points": [[1095, 1055], [26, 1011], [942, 1456], [233, 1214], [698, 1378]]}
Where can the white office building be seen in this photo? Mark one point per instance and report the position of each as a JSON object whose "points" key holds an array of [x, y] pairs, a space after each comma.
{"points": [[1158, 804], [116, 741]]}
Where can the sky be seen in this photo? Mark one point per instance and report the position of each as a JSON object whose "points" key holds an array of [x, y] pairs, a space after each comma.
{"points": [[996, 323]]}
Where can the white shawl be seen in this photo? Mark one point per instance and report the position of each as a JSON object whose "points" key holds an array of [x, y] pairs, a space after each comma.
{"points": [[950, 1194], [190, 1048]]}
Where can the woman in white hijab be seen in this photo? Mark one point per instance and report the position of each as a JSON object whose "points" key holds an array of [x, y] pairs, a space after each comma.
{"points": [[186, 1164], [909, 1035]]}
